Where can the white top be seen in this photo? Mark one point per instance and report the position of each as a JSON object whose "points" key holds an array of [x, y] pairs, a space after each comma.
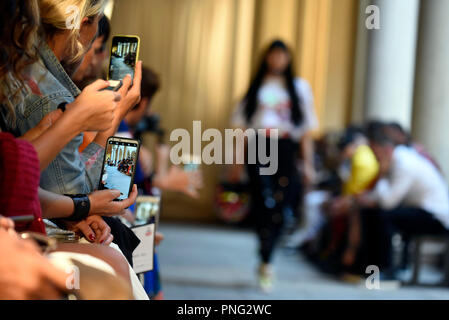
{"points": [[414, 181], [273, 110]]}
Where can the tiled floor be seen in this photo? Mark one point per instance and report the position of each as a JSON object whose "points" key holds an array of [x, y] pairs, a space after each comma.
{"points": [[207, 262]]}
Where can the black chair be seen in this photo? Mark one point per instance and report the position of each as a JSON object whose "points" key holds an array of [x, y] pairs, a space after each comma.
{"points": [[419, 241]]}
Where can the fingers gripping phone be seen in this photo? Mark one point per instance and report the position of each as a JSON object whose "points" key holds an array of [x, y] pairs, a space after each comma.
{"points": [[119, 165], [122, 61]]}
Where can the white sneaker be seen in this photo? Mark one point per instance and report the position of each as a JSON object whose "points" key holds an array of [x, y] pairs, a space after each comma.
{"points": [[265, 277]]}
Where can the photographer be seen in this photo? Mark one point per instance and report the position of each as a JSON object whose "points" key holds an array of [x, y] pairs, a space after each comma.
{"points": [[58, 52]]}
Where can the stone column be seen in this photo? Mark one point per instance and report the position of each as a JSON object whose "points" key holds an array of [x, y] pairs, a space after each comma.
{"points": [[390, 61], [431, 105]]}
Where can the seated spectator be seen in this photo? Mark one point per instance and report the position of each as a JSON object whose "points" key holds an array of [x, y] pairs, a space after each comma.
{"points": [[358, 171], [401, 137], [411, 197]]}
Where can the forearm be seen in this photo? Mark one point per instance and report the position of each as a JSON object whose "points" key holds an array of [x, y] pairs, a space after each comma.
{"points": [[103, 136], [307, 150], [391, 194], [54, 139], [54, 205], [159, 181]]}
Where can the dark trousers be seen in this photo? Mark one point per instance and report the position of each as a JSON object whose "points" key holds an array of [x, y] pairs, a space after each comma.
{"points": [[378, 227], [274, 197], [124, 237]]}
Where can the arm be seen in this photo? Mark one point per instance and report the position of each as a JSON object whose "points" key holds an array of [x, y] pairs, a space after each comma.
{"points": [[101, 203], [391, 190], [391, 193], [130, 97], [93, 109], [174, 178], [310, 123], [238, 121], [307, 151], [55, 205], [42, 137]]}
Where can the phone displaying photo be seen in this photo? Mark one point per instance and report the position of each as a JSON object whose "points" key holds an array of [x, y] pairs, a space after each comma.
{"points": [[124, 55], [147, 209], [119, 165]]}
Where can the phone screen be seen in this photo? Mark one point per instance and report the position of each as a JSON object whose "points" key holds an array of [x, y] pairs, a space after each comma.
{"points": [[124, 51], [119, 166], [146, 208]]}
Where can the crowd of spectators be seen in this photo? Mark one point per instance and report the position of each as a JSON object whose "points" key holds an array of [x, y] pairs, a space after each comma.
{"points": [[374, 182], [50, 169]]}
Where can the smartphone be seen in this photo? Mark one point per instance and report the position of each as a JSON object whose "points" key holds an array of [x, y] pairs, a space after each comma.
{"points": [[119, 165], [147, 209], [123, 57]]}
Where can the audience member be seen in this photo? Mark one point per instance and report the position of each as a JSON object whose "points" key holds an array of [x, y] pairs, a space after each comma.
{"points": [[411, 197]]}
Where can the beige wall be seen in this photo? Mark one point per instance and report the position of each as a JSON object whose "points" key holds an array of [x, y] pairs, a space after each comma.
{"points": [[205, 52]]}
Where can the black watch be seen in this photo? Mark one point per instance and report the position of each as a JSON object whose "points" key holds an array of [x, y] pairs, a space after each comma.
{"points": [[81, 203]]}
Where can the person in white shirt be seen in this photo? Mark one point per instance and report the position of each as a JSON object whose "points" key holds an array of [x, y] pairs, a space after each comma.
{"points": [[277, 100], [411, 194]]}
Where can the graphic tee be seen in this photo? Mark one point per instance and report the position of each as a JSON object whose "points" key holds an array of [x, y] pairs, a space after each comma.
{"points": [[274, 110]]}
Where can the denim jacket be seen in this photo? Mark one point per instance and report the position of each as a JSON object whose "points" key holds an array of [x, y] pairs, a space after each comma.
{"points": [[71, 172]]}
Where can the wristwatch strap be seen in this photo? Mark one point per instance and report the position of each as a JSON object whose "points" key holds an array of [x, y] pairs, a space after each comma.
{"points": [[81, 203]]}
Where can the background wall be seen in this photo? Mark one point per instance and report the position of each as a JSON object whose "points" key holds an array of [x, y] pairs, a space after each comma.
{"points": [[206, 50]]}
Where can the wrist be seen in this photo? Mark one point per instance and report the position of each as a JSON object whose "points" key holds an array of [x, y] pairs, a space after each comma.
{"points": [[93, 210], [81, 204], [158, 182], [73, 123]]}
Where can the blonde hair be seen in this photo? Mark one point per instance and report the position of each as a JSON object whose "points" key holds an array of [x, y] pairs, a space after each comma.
{"points": [[55, 15]]}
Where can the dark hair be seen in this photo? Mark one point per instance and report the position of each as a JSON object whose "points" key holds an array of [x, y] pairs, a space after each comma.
{"points": [[150, 83], [398, 128], [349, 136], [19, 22], [373, 126], [251, 95], [381, 137], [104, 29]]}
